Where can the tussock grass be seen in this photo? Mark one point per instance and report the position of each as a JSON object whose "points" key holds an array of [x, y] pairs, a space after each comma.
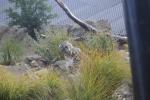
{"points": [[10, 52], [101, 42], [100, 76], [101, 71], [45, 87]]}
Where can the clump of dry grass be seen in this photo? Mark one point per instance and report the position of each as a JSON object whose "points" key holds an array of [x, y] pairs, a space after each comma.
{"points": [[45, 87], [100, 76]]}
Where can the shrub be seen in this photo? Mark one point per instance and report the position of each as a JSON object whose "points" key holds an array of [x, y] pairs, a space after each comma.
{"points": [[45, 87], [100, 42], [100, 76], [51, 51], [32, 14], [10, 52]]}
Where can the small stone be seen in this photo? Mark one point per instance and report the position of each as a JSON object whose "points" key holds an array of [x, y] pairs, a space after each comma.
{"points": [[34, 64]]}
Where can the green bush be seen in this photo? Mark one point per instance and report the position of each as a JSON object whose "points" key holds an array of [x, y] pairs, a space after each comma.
{"points": [[100, 42], [45, 87], [100, 77], [32, 14], [51, 51], [10, 52]]}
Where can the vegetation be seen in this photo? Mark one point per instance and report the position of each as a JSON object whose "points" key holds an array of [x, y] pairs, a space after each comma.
{"points": [[101, 71], [10, 52], [101, 42], [31, 14], [50, 50], [45, 87], [100, 76]]}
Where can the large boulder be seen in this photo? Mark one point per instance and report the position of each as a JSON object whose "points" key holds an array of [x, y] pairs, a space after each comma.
{"points": [[15, 32]]}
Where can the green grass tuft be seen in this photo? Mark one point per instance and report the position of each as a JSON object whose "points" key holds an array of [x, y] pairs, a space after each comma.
{"points": [[101, 42], [50, 49], [10, 52]]}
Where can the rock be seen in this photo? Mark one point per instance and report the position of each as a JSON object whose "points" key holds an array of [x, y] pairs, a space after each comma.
{"points": [[33, 57], [61, 64], [92, 23], [124, 92], [64, 65], [12, 32], [36, 61], [3, 30], [16, 33], [103, 26], [77, 33]]}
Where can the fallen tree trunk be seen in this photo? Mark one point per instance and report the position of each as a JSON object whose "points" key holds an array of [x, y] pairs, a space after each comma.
{"points": [[81, 23], [121, 40]]}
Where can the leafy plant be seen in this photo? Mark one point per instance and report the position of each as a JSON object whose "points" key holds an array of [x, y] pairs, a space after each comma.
{"points": [[10, 52], [31, 14]]}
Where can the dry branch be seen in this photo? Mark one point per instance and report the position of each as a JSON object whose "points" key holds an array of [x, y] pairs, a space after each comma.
{"points": [[87, 27], [81, 23]]}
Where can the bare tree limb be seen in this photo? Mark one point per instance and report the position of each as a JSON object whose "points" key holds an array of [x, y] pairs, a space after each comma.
{"points": [[121, 40], [84, 25]]}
